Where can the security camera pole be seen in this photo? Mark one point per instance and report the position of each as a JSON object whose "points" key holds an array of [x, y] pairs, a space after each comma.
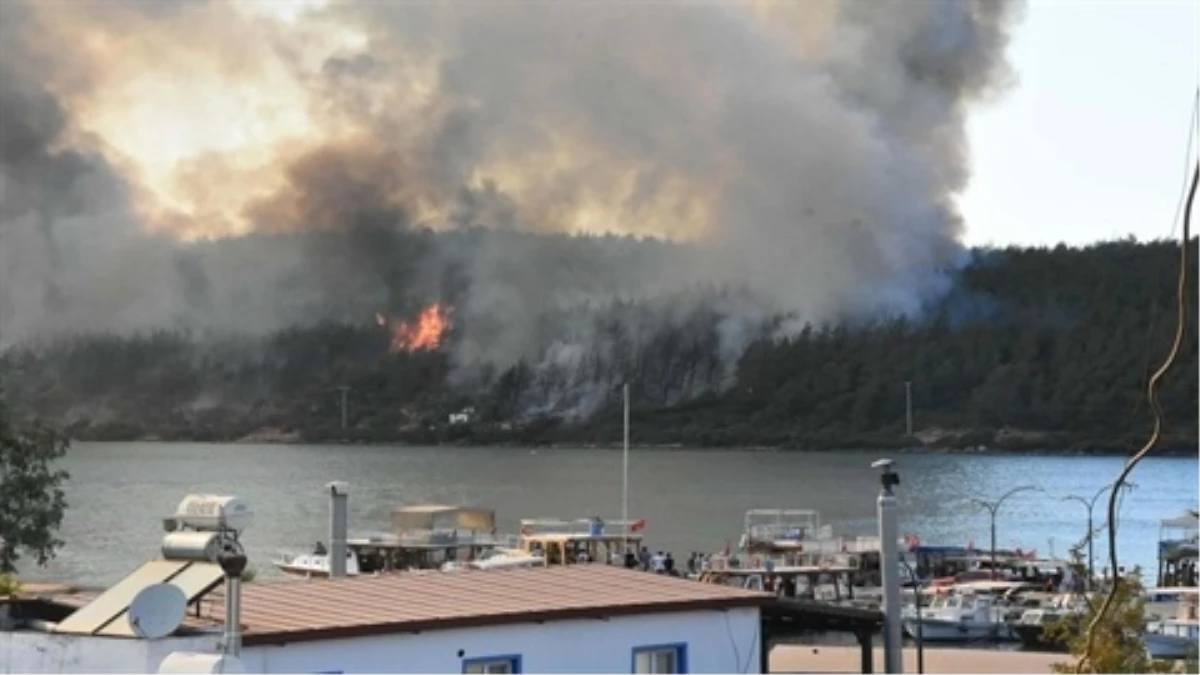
{"points": [[889, 565]]}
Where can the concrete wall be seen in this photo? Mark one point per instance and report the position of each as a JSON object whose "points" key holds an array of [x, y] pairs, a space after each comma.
{"points": [[34, 652], [717, 642]]}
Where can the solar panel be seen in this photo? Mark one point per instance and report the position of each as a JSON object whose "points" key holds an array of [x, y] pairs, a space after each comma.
{"points": [[101, 611], [195, 580]]}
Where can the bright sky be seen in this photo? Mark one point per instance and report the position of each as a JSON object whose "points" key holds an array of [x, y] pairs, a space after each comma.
{"points": [[1090, 143]]}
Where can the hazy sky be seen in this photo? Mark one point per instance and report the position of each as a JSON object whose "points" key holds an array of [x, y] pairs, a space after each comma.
{"points": [[1090, 144]]}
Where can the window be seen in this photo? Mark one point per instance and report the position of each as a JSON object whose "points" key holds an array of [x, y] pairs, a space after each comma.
{"points": [[492, 664], [660, 659]]}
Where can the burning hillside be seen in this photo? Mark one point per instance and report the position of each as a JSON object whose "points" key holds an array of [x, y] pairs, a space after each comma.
{"points": [[425, 333], [279, 164]]}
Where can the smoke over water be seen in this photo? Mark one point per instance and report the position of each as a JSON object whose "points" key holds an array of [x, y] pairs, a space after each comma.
{"points": [[245, 166]]}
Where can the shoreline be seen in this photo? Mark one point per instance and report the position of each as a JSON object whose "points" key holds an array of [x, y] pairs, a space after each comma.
{"points": [[641, 447]]}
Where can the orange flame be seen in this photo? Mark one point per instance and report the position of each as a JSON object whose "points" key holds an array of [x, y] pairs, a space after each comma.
{"points": [[425, 334]]}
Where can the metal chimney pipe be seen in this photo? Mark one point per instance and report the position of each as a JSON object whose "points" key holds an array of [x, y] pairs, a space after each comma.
{"points": [[231, 639], [338, 526]]}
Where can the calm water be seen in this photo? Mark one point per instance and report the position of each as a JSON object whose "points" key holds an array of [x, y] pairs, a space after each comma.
{"points": [[692, 500]]}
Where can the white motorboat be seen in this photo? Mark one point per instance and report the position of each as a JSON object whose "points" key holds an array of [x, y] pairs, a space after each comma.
{"points": [[315, 564], [1175, 637], [1031, 627], [498, 558], [954, 618], [983, 610]]}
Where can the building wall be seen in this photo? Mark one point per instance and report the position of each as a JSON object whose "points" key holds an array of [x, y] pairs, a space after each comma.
{"points": [[717, 642], [36, 652]]}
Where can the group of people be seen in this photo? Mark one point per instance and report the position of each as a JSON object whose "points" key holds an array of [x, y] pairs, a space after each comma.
{"points": [[662, 562]]}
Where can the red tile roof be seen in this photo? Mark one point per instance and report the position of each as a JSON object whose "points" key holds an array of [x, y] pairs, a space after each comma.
{"points": [[294, 611]]}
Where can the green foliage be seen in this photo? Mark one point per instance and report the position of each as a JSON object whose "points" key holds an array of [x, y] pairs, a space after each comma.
{"points": [[1030, 349], [1117, 644], [31, 496], [8, 585]]}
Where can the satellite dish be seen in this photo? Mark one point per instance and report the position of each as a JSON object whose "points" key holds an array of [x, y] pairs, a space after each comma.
{"points": [[157, 611]]}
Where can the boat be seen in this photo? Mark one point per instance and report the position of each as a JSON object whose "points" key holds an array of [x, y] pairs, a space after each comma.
{"points": [[423, 537], [831, 584], [315, 564], [1177, 637], [1030, 629], [1178, 549], [968, 612], [497, 558], [796, 538], [568, 542]]}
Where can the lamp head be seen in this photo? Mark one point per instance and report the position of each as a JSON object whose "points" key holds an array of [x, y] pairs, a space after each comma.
{"points": [[888, 478]]}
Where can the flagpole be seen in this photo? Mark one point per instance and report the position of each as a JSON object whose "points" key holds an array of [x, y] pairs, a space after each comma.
{"points": [[625, 473]]}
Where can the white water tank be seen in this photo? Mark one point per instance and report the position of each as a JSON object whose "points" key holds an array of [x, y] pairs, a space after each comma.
{"points": [[195, 662], [210, 513], [198, 546]]}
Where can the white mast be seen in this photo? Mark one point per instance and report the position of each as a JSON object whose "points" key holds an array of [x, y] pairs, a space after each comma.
{"points": [[625, 474]]}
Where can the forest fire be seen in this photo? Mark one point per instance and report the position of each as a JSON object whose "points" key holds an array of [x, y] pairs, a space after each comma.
{"points": [[425, 334]]}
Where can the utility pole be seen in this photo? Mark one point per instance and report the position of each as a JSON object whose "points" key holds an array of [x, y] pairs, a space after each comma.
{"points": [[344, 389], [625, 475], [908, 407], [889, 567]]}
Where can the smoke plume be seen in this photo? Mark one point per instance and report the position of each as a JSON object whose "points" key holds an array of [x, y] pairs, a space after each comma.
{"points": [[249, 165]]}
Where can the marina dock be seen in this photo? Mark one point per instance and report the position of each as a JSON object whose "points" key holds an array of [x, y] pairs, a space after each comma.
{"points": [[820, 659]]}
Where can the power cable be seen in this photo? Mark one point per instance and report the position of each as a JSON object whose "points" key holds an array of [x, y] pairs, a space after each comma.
{"points": [[1156, 408]]}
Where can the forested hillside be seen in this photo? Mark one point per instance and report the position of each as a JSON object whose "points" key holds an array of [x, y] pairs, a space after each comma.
{"points": [[1029, 349]]}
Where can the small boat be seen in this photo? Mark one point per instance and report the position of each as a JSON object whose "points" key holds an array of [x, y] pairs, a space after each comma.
{"points": [[1030, 629], [498, 558], [1177, 637], [954, 618], [315, 564], [967, 612]]}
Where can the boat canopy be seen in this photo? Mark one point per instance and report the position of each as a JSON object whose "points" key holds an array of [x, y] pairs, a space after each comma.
{"points": [[1188, 521]]}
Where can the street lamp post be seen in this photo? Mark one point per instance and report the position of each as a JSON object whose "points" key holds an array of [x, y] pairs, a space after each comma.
{"points": [[993, 508], [1090, 504]]}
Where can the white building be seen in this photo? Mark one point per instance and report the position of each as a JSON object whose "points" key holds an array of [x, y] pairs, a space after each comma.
{"points": [[583, 618], [463, 416]]}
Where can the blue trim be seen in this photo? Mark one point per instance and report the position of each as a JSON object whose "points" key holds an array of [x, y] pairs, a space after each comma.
{"points": [[514, 661], [680, 648]]}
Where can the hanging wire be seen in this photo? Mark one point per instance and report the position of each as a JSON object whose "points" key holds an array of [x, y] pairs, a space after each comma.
{"points": [[1156, 406]]}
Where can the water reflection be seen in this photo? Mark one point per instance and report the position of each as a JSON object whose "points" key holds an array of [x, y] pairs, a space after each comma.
{"points": [[692, 500]]}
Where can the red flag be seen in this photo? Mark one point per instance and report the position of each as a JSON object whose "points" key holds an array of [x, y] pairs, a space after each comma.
{"points": [[637, 525]]}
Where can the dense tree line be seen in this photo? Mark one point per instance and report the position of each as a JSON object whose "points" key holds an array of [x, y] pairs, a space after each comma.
{"points": [[1030, 348]]}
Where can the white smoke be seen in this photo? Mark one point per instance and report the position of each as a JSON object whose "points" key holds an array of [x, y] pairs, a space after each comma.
{"points": [[810, 152]]}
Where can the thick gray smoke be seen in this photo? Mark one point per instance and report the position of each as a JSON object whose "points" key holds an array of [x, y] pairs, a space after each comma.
{"points": [[809, 152]]}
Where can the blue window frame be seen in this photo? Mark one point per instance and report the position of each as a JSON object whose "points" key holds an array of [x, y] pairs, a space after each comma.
{"points": [[488, 665], [668, 658]]}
